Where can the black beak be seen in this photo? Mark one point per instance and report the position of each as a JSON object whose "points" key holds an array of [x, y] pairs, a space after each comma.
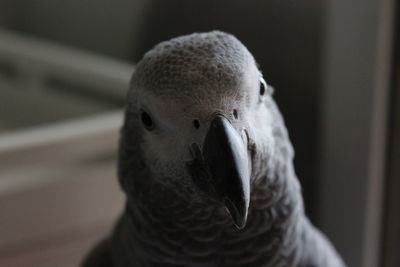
{"points": [[225, 153]]}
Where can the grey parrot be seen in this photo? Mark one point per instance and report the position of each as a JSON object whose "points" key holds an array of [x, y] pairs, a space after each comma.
{"points": [[207, 166]]}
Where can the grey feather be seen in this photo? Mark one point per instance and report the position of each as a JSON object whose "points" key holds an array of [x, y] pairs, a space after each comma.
{"points": [[168, 219]]}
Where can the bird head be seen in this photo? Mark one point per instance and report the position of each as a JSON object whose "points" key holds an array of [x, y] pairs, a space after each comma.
{"points": [[202, 110]]}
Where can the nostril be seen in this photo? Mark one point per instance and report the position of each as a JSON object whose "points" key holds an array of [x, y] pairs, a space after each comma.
{"points": [[196, 124], [235, 113]]}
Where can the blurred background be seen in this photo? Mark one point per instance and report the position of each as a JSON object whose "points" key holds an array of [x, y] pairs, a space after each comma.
{"points": [[64, 71]]}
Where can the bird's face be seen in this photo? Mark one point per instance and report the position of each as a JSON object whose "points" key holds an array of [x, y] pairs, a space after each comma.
{"points": [[210, 136]]}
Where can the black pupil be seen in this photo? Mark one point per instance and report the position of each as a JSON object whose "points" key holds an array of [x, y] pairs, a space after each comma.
{"points": [[196, 124], [262, 88], [146, 120]]}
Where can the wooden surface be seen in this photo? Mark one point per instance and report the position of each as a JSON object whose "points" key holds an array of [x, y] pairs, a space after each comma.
{"points": [[58, 188], [57, 200]]}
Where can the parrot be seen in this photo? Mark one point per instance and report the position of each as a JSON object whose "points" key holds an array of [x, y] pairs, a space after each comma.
{"points": [[206, 165]]}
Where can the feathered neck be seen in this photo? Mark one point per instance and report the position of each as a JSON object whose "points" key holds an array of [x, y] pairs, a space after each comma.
{"points": [[159, 228]]}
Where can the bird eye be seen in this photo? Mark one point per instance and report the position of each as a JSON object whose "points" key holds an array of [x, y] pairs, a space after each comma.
{"points": [[263, 86], [147, 121], [196, 124]]}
